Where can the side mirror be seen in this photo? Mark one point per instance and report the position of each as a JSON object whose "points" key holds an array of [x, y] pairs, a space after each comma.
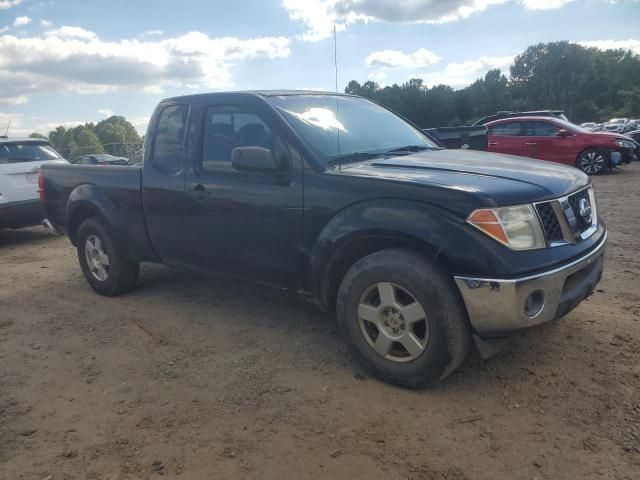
{"points": [[253, 159], [563, 133]]}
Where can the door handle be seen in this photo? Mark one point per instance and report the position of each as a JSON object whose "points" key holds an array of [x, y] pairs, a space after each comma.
{"points": [[533, 144], [493, 144], [199, 192]]}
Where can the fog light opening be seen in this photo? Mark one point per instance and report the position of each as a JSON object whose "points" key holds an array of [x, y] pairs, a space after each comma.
{"points": [[534, 304]]}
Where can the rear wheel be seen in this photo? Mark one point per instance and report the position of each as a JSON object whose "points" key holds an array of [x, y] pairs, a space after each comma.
{"points": [[104, 268], [403, 318], [593, 161]]}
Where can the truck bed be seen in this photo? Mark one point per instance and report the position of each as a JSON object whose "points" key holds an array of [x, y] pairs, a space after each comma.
{"points": [[117, 189]]}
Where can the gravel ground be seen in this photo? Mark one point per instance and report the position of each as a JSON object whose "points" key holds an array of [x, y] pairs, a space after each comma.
{"points": [[199, 378]]}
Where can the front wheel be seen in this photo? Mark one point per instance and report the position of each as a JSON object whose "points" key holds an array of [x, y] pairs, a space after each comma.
{"points": [[107, 271], [403, 318], [593, 161]]}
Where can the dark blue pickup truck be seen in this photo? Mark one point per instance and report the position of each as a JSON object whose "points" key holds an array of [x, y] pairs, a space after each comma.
{"points": [[418, 251]]}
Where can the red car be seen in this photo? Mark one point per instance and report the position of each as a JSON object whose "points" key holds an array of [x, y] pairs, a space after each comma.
{"points": [[556, 140]]}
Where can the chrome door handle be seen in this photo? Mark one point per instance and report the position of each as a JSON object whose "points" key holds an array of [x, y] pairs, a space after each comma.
{"points": [[493, 144], [531, 143]]}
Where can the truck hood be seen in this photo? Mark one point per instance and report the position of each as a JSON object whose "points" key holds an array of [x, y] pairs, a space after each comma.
{"points": [[499, 179]]}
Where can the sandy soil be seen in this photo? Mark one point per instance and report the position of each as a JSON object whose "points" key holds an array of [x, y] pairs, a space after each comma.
{"points": [[198, 378]]}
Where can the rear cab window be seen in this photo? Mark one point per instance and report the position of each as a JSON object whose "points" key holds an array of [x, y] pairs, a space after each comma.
{"points": [[169, 139], [22, 152]]}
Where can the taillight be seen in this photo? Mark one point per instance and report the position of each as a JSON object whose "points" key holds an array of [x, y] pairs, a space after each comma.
{"points": [[43, 198]]}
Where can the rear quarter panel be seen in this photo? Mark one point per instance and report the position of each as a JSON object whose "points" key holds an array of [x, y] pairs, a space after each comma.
{"points": [[113, 192]]}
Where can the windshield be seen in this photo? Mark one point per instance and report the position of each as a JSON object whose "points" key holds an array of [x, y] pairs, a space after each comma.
{"points": [[27, 152], [572, 127], [336, 126]]}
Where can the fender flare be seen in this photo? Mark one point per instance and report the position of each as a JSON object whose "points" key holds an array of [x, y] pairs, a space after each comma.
{"points": [[90, 198], [420, 225]]}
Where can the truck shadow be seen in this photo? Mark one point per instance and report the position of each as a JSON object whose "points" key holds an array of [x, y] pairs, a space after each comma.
{"points": [[11, 238], [286, 314]]}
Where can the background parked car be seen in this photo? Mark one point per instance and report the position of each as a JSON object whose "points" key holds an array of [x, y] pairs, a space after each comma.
{"points": [[534, 113], [20, 161], [617, 125], [556, 140], [100, 159], [588, 126]]}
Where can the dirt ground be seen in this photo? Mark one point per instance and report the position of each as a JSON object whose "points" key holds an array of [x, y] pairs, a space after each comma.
{"points": [[199, 378]]}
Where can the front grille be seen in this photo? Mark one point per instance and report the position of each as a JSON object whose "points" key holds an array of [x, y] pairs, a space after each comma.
{"points": [[550, 223], [574, 200], [561, 219]]}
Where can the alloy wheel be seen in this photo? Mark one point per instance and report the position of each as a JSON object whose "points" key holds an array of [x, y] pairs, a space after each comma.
{"points": [[97, 258], [393, 322], [592, 162]]}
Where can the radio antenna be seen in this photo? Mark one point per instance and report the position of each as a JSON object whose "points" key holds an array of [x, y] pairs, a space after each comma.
{"points": [[6, 133], [335, 54]]}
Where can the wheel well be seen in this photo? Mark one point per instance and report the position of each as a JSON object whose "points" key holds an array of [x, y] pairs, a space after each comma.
{"points": [[80, 214], [356, 249]]}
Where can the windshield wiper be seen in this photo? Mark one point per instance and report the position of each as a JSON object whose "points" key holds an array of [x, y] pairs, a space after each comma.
{"points": [[354, 157], [412, 148]]}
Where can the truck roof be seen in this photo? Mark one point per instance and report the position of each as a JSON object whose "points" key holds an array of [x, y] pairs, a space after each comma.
{"points": [[260, 93], [4, 139]]}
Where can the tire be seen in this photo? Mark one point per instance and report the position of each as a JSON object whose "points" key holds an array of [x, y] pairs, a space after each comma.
{"points": [[96, 247], [593, 161], [439, 342]]}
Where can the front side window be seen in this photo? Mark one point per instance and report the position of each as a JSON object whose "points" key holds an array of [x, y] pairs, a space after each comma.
{"points": [[228, 127], [171, 129], [27, 152], [508, 129], [337, 125], [541, 129]]}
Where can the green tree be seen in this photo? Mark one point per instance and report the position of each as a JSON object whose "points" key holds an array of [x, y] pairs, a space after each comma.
{"points": [[37, 135], [86, 142], [118, 136]]}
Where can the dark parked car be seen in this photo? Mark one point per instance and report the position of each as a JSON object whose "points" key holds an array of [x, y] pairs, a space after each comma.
{"points": [[100, 159], [416, 249], [534, 113], [559, 141]]}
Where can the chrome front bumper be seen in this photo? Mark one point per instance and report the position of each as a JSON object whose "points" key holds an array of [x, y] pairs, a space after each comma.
{"points": [[498, 307]]}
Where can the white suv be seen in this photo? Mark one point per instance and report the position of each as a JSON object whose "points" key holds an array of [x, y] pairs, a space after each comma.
{"points": [[20, 160]]}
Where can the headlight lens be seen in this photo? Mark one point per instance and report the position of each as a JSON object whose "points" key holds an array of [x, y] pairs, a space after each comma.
{"points": [[516, 227], [625, 144]]}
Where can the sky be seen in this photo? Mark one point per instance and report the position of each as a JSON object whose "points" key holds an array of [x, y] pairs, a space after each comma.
{"points": [[67, 62]]}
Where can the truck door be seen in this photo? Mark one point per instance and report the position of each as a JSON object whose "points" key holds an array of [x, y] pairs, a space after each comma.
{"points": [[508, 137], [165, 202], [246, 224]]}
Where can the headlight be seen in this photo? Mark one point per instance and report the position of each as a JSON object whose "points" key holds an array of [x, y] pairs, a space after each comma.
{"points": [[625, 144], [516, 227]]}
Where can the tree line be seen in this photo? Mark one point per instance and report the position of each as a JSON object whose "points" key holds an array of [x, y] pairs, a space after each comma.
{"points": [[587, 83], [114, 135]]}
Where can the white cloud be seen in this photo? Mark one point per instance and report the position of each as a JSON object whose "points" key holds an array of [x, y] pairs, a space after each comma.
{"points": [[140, 124], [150, 33], [544, 4], [67, 33], [22, 126], [75, 60], [106, 112], [464, 73], [4, 29], [5, 4], [630, 44], [319, 16], [20, 21], [397, 59], [45, 23], [154, 89]]}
